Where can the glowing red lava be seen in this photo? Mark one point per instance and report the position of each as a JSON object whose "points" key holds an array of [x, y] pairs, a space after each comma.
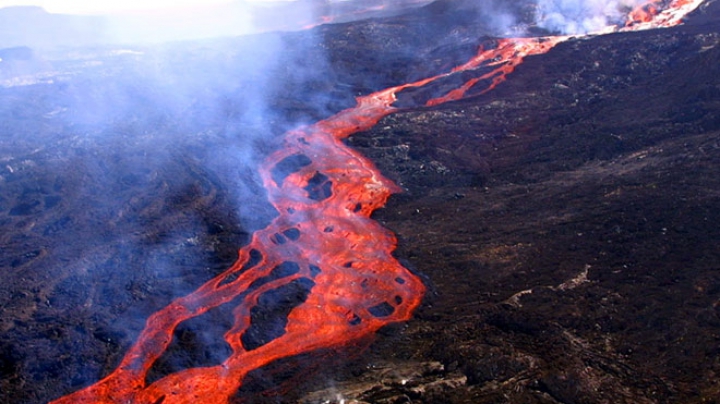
{"points": [[644, 13], [323, 239]]}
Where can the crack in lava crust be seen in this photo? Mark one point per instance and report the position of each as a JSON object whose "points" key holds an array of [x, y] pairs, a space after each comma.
{"points": [[325, 193]]}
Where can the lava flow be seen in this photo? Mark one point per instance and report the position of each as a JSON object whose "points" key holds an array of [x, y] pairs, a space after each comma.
{"points": [[323, 245]]}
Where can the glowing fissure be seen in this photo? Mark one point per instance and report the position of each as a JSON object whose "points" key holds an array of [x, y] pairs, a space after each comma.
{"points": [[323, 238]]}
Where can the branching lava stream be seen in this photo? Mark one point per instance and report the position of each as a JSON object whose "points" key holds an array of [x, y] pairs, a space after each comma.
{"points": [[323, 242]]}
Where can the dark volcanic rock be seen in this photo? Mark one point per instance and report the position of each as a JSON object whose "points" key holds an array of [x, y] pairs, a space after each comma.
{"points": [[568, 223]]}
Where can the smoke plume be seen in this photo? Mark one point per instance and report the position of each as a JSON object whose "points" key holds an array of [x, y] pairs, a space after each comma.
{"points": [[576, 17]]}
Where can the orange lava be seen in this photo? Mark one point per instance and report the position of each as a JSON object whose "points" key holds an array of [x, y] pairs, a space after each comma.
{"points": [[644, 13], [504, 58], [325, 193]]}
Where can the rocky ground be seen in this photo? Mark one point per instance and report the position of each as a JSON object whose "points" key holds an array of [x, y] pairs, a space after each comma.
{"points": [[566, 224]]}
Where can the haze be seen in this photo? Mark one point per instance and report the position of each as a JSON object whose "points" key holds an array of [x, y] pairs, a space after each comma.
{"points": [[51, 23], [83, 7], [77, 23]]}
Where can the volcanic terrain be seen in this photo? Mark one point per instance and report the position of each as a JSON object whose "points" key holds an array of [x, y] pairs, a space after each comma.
{"points": [[566, 224]]}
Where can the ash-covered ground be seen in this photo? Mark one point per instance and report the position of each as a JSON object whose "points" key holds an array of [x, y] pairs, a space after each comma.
{"points": [[566, 223]]}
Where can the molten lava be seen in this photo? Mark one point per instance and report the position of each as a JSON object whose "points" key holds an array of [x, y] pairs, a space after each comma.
{"points": [[644, 13], [323, 241]]}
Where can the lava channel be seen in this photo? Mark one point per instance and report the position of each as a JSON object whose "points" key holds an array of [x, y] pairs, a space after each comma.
{"points": [[323, 244]]}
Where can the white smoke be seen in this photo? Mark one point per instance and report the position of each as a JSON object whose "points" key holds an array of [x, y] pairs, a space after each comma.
{"points": [[576, 17]]}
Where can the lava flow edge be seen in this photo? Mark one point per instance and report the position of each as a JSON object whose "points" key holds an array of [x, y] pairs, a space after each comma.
{"points": [[325, 193]]}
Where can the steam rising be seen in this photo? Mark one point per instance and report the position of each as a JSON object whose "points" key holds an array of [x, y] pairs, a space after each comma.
{"points": [[575, 17]]}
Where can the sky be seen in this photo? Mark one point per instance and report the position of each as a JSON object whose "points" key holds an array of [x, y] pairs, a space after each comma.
{"points": [[152, 21], [118, 6]]}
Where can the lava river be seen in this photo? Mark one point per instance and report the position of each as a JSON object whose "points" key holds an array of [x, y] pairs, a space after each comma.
{"points": [[323, 245]]}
